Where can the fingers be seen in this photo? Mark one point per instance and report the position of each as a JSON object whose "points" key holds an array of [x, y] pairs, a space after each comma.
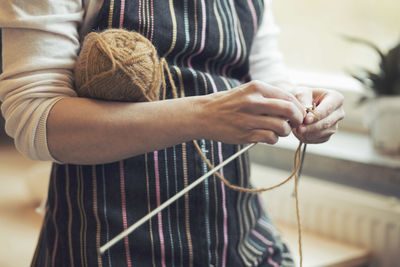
{"points": [[277, 125], [319, 127], [321, 130], [312, 141], [316, 137], [264, 99], [327, 102], [262, 136], [258, 112], [272, 92], [278, 108]]}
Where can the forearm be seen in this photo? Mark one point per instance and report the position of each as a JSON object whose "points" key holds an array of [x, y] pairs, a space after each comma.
{"points": [[87, 131]]}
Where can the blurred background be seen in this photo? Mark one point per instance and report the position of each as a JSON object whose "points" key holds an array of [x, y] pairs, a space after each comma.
{"points": [[350, 192], [311, 32]]}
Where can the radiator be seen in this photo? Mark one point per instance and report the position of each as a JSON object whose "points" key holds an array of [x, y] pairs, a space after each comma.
{"points": [[339, 212]]}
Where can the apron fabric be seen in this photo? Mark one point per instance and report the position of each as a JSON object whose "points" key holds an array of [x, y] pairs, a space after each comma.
{"points": [[206, 44]]}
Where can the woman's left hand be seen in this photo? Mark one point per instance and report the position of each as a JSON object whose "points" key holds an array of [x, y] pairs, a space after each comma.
{"points": [[328, 106]]}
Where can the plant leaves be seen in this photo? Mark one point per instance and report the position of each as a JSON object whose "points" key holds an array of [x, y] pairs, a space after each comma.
{"points": [[365, 42], [362, 100], [391, 64], [387, 81]]}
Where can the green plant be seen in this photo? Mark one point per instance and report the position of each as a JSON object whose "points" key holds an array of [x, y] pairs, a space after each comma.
{"points": [[386, 81]]}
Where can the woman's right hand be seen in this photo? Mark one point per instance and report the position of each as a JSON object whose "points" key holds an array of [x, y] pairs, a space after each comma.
{"points": [[252, 112]]}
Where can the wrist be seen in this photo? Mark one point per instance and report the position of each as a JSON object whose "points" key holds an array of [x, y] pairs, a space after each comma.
{"points": [[199, 117]]}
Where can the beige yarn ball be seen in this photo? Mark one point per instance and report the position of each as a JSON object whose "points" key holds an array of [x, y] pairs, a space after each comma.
{"points": [[118, 65]]}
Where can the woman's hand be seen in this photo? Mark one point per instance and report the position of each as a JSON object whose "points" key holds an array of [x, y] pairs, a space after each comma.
{"points": [[328, 108], [252, 112]]}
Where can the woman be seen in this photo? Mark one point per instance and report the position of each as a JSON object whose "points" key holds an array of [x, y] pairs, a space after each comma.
{"points": [[114, 162]]}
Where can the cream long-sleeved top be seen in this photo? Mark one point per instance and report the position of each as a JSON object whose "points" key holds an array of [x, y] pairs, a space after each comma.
{"points": [[40, 44]]}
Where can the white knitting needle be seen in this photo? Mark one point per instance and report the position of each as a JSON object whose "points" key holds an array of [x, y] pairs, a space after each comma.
{"points": [[126, 232]]}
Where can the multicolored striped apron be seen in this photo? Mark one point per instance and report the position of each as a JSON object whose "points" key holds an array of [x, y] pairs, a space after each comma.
{"points": [[206, 44]]}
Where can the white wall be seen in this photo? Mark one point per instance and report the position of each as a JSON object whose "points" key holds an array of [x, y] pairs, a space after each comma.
{"points": [[311, 28]]}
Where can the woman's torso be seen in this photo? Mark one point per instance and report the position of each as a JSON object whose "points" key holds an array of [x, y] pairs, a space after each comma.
{"points": [[206, 43]]}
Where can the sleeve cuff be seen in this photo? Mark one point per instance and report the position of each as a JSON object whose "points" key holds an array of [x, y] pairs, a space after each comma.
{"points": [[40, 141]]}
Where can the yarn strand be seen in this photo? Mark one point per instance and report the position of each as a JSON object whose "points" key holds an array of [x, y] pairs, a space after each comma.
{"points": [[249, 190], [296, 187]]}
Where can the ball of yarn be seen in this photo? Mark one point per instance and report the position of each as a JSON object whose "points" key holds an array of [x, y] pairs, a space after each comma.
{"points": [[118, 65]]}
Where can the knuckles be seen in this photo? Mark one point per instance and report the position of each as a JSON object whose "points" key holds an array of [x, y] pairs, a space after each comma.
{"points": [[248, 100], [255, 85]]}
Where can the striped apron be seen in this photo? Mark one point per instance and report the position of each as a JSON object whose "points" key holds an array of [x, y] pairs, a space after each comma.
{"points": [[206, 44]]}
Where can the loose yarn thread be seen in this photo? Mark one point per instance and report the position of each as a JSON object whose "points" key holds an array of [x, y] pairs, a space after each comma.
{"points": [[121, 65]]}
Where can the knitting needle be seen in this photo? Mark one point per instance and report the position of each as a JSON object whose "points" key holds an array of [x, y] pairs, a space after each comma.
{"points": [[129, 230]]}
